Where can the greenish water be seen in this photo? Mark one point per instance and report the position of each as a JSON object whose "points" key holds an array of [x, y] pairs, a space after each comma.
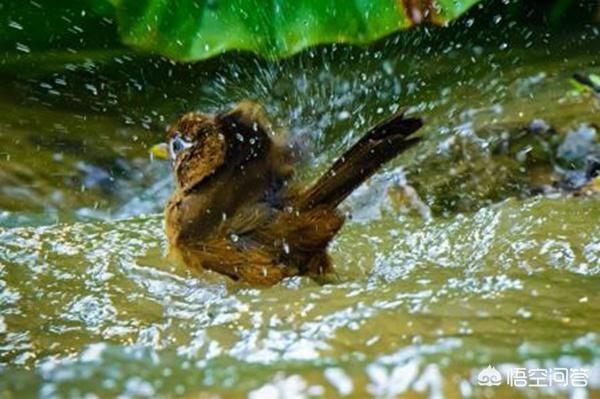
{"points": [[459, 255]]}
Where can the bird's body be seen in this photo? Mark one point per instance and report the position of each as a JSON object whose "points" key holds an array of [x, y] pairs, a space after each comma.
{"points": [[234, 211]]}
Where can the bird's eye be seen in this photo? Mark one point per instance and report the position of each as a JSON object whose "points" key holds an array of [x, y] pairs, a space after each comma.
{"points": [[178, 144]]}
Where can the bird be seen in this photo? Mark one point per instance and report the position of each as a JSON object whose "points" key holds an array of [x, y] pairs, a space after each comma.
{"points": [[235, 209]]}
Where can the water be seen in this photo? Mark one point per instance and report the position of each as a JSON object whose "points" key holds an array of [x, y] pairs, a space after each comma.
{"points": [[443, 269], [509, 284]]}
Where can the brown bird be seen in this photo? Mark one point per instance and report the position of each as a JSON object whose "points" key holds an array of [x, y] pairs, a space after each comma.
{"points": [[234, 210]]}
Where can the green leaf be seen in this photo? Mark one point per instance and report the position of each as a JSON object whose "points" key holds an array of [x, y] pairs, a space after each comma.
{"points": [[190, 30], [197, 29]]}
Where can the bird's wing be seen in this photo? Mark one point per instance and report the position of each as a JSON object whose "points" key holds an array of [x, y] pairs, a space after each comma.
{"points": [[247, 219], [300, 233]]}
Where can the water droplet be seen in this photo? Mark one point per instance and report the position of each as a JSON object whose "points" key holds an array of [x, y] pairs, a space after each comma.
{"points": [[23, 48], [15, 25], [343, 115]]}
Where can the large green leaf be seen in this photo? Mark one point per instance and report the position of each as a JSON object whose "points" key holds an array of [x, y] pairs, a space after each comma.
{"points": [[196, 29]]}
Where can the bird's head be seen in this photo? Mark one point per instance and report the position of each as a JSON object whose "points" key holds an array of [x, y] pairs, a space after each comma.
{"points": [[195, 147], [198, 144]]}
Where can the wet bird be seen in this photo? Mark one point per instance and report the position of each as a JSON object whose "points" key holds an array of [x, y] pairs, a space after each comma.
{"points": [[234, 210]]}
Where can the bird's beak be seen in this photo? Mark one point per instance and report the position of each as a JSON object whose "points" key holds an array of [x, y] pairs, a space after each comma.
{"points": [[160, 151]]}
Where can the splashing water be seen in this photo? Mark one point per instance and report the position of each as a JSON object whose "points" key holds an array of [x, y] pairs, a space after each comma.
{"points": [[428, 295]]}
